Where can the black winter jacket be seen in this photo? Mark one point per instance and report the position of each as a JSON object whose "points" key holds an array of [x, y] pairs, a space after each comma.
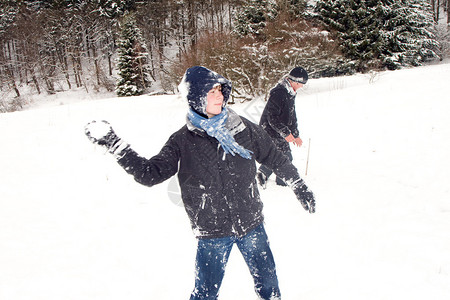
{"points": [[219, 190], [279, 118]]}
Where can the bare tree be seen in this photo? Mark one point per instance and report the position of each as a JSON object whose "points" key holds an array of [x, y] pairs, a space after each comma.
{"points": [[448, 12]]}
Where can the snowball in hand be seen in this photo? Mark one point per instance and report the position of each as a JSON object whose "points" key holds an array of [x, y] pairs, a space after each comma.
{"points": [[97, 130]]}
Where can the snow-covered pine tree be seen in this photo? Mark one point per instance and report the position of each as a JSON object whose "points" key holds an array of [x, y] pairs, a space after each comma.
{"points": [[132, 64], [357, 24], [386, 33], [408, 33], [7, 15], [115, 8], [252, 17]]}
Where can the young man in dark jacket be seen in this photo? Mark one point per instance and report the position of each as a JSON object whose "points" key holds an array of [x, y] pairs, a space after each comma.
{"points": [[214, 156], [279, 118]]}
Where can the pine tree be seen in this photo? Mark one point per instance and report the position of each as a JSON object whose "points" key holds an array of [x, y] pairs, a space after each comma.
{"points": [[357, 24], [8, 14], [252, 18], [386, 33], [132, 64], [115, 8], [408, 34]]}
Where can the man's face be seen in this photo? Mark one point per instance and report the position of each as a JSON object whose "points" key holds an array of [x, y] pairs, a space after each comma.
{"points": [[214, 101], [296, 85]]}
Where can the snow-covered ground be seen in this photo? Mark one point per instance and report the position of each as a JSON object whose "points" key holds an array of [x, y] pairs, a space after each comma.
{"points": [[74, 225]]}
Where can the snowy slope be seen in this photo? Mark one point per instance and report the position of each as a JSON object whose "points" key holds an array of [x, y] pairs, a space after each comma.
{"points": [[74, 225]]}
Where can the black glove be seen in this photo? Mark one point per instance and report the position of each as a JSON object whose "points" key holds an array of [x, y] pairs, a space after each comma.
{"points": [[305, 196], [101, 133]]}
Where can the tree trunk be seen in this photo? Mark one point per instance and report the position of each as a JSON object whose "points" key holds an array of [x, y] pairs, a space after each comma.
{"points": [[61, 55], [448, 12], [36, 83], [110, 64], [97, 67], [192, 22], [75, 72], [433, 8], [438, 4], [14, 87]]}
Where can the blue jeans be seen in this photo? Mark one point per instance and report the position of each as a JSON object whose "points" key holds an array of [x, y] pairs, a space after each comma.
{"points": [[212, 257]]}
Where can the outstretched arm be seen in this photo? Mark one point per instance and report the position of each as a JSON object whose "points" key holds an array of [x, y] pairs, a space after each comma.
{"points": [[145, 171]]}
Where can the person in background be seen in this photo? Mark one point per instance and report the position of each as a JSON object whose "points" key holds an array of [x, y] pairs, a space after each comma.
{"points": [[279, 119], [214, 155]]}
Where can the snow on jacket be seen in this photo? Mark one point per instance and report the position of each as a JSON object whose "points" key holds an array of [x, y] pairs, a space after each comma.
{"points": [[219, 190], [279, 118]]}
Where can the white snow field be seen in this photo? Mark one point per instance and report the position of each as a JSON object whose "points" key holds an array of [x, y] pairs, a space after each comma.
{"points": [[74, 225]]}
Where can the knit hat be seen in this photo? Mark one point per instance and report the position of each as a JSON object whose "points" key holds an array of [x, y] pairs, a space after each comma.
{"points": [[298, 74], [197, 82]]}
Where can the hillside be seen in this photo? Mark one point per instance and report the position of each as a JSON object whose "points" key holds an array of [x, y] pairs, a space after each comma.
{"points": [[74, 225]]}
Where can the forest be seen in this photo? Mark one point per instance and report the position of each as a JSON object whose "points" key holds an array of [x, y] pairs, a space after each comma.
{"points": [[139, 47]]}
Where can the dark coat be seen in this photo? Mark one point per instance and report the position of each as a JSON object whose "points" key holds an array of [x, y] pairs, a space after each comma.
{"points": [[279, 118], [219, 191]]}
